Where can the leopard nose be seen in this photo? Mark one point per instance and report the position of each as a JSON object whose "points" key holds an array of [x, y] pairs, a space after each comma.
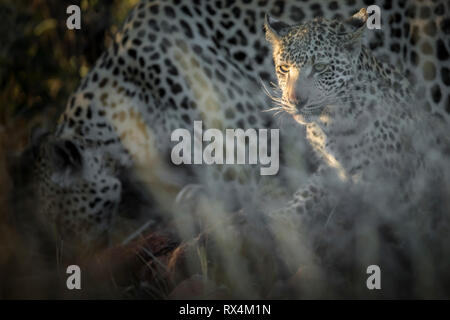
{"points": [[301, 103], [292, 96]]}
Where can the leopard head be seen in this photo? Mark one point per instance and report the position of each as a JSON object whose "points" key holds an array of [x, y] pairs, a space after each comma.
{"points": [[315, 62]]}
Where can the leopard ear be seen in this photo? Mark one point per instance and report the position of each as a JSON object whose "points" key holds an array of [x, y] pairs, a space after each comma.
{"points": [[64, 154], [355, 25], [352, 31], [275, 29]]}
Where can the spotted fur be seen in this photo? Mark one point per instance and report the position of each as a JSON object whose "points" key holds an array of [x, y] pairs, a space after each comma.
{"points": [[357, 111], [172, 63], [383, 158]]}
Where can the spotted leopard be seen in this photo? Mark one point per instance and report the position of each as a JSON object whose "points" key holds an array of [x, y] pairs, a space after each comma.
{"points": [[172, 63], [383, 158]]}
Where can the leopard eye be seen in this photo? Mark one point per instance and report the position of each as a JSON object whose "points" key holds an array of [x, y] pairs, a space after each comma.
{"points": [[319, 67], [284, 68]]}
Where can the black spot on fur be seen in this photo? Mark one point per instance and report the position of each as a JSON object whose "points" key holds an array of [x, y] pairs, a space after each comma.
{"points": [[236, 12], [414, 58], [142, 62], [185, 103], [103, 82], [445, 75], [265, 76], [252, 119], [153, 25], [387, 5], [297, 14], [132, 53], [165, 44], [220, 76], [186, 118], [136, 24], [89, 113], [436, 93], [154, 56], [137, 42], [170, 13], [172, 70], [210, 10], [88, 95], [442, 52], [395, 47], [72, 102], [109, 64], [154, 9], [187, 29], [445, 25], [317, 10], [78, 112], [240, 56], [333, 5], [201, 30], [425, 12], [176, 88], [440, 9], [278, 8], [186, 11]]}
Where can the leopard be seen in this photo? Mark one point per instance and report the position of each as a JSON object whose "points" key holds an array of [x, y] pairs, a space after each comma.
{"points": [[379, 150], [334, 86], [172, 63]]}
